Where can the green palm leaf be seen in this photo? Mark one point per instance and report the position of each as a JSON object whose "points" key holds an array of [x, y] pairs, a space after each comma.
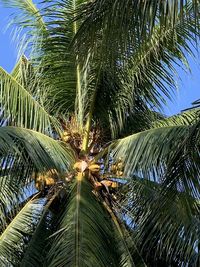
{"points": [[27, 25], [168, 213], [122, 23], [167, 223], [34, 253], [85, 234], [28, 9], [26, 75], [58, 62], [43, 151], [13, 239], [8, 197], [148, 152], [19, 106], [142, 76], [185, 118]]}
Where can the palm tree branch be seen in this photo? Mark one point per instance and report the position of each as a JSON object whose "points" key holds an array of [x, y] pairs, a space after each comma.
{"points": [[145, 206], [120, 24], [184, 118], [147, 71], [20, 107], [33, 254], [148, 152], [82, 230], [12, 239], [28, 10], [43, 151]]}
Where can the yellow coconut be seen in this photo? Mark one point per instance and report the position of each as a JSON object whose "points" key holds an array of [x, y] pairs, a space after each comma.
{"points": [[44, 180], [106, 183], [113, 168], [77, 166], [49, 181], [119, 173], [80, 166], [66, 136], [94, 168], [114, 185], [120, 166]]}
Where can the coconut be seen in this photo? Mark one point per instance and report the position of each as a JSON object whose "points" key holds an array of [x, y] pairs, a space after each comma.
{"points": [[94, 168]]}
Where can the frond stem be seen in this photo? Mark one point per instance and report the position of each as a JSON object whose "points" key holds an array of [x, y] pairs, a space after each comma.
{"points": [[78, 75], [89, 118]]}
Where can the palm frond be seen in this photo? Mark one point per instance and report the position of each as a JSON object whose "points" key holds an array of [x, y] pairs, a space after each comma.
{"points": [[122, 23], [28, 75], [175, 225], [159, 226], [27, 23], [183, 170], [148, 153], [22, 153], [13, 193], [8, 196], [85, 235], [20, 107], [124, 244], [43, 151], [13, 239], [29, 243], [25, 74], [56, 60], [196, 103], [163, 216], [144, 74], [188, 117], [28, 12], [166, 215], [35, 252]]}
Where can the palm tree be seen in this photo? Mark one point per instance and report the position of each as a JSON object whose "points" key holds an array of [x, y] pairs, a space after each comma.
{"points": [[92, 174]]}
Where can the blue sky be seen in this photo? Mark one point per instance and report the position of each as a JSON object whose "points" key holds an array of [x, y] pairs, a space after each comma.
{"points": [[188, 88]]}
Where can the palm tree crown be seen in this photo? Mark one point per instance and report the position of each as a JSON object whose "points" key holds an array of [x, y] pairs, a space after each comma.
{"points": [[92, 173]]}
